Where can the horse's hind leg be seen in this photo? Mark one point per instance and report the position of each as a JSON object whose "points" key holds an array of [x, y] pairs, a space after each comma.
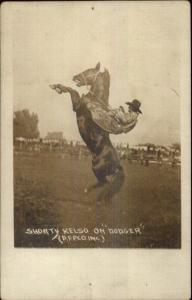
{"points": [[101, 181], [112, 187]]}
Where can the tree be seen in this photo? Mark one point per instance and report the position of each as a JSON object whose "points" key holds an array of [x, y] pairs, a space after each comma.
{"points": [[25, 124], [176, 146]]}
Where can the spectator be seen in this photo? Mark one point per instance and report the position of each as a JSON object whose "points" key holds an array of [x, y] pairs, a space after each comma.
{"points": [[159, 157]]}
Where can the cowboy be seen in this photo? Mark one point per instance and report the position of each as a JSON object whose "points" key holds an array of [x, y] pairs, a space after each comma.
{"points": [[124, 118], [114, 121]]}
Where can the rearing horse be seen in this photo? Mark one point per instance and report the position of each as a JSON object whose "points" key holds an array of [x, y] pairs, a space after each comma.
{"points": [[105, 161]]}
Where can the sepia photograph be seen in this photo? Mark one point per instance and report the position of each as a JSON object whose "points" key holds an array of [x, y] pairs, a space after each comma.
{"points": [[95, 150], [96, 125]]}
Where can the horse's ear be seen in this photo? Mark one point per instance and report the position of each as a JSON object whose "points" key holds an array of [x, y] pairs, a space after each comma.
{"points": [[98, 66]]}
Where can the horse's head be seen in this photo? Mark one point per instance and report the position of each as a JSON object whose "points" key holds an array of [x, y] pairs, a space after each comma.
{"points": [[87, 77]]}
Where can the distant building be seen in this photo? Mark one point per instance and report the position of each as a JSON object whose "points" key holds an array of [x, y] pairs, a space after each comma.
{"points": [[140, 147], [54, 137], [150, 147], [145, 147]]}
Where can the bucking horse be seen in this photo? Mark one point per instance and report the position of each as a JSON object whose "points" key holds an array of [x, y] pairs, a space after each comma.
{"points": [[105, 161]]}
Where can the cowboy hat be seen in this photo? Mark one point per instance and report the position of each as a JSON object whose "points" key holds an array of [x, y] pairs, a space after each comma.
{"points": [[135, 105]]}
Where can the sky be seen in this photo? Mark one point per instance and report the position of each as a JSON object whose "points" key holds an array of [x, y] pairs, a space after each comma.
{"points": [[138, 42]]}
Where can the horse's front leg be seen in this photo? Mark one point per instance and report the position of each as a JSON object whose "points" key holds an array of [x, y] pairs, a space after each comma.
{"points": [[75, 97]]}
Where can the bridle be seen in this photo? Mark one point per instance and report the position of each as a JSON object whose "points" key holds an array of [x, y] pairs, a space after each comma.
{"points": [[85, 80]]}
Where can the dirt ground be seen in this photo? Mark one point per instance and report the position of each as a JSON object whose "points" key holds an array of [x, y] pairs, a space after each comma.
{"points": [[49, 196]]}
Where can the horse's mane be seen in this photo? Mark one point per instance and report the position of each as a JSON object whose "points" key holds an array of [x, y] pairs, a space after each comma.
{"points": [[101, 86], [106, 84]]}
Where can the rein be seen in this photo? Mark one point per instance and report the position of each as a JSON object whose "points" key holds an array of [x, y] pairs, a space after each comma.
{"points": [[85, 80]]}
